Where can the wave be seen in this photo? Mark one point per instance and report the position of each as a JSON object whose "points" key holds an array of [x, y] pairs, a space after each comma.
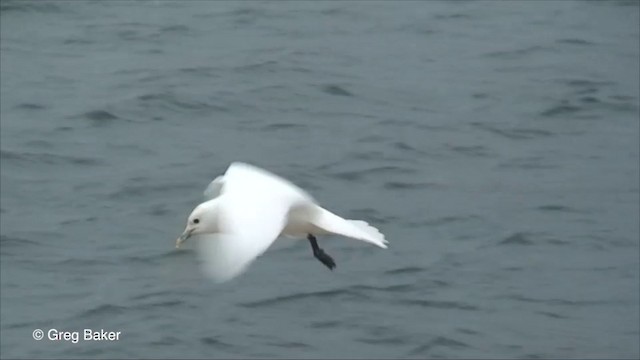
{"points": [[514, 133], [558, 302], [17, 157], [356, 175], [326, 294], [437, 304], [337, 90], [440, 341]]}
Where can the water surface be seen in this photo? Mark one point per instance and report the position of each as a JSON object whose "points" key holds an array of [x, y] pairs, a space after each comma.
{"points": [[494, 143]]}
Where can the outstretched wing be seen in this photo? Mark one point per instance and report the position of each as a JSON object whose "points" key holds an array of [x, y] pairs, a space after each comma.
{"points": [[215, 187], [243, 177], [248, 226], [252, 213]]}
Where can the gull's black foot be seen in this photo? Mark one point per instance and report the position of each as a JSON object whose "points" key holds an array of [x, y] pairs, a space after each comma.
{"points": [[320, 254], [324, 258]]}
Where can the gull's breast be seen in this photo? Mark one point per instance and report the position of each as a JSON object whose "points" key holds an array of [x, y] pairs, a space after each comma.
{"points": [[299, 221]]}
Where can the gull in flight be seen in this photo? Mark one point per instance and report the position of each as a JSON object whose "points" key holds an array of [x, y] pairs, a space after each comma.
{"points": [[248, 208]]}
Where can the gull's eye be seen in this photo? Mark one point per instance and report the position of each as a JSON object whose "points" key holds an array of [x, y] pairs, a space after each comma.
{"points": [[195, 221]]}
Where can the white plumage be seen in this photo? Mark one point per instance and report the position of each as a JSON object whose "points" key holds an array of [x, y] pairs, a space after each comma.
{"points": [[248, 208]]}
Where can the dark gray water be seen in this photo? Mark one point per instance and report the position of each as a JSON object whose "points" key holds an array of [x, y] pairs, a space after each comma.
{"points": [[494, 143]]}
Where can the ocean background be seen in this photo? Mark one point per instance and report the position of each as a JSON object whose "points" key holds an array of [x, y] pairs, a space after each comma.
{"points": [[495, 143]]}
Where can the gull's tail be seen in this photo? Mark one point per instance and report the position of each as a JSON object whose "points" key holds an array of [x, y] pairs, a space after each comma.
{"points": [[329, 222], [374, 235]]}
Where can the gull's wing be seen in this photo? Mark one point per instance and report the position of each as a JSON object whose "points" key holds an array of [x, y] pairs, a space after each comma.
{"points": [[214, 188], [248, 226], [242, 177], [252, 213]]}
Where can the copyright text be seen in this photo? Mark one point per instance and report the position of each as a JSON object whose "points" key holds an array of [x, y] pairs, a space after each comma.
{"points": [[76, 336]]}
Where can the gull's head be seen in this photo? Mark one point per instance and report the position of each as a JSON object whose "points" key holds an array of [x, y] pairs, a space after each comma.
{"points": [[200, 221]]}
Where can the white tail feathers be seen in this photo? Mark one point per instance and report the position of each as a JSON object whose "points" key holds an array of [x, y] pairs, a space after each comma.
{"points": [[328, 222], [374, 235]]}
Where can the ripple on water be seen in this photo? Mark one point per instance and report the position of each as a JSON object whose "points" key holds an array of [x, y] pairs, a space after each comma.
{"points": [[217, 343], [100, 115], [345, 293], [284, 126], [564, 108], [326, 324], [527, 163], [11, 245], [383, 340], [357, 175], [513, 133], [551, 315], [403, 185], [337, 90], [440, 341], [31, 106], [15, 241], [153, 294], [525, 238], [200, 71], [519, 238], [177, 102], [374, 139], [103, 310], [167, 341], [367, 155], [158, 210], [472, 150], [19, 158], [557, 208], [585, 84], [518, 53], [289, 345], [353, 292], [467, 331], [556, 302], [79, 220], [160, 304], [407, 148], [575, 41], [449, 219], [405, 270], [97, 118], [40, 143], [396, 288], [28, 6], [154, 259], [586, 101], [144, 190], [77, 263], [437, 304], [107, 310], [175, 29]]}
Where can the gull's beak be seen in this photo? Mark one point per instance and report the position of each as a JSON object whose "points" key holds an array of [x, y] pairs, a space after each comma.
{"points": [[185, 235]]}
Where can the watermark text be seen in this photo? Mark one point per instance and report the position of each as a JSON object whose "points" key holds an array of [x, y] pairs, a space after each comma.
{"points": [[76, 336]]}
